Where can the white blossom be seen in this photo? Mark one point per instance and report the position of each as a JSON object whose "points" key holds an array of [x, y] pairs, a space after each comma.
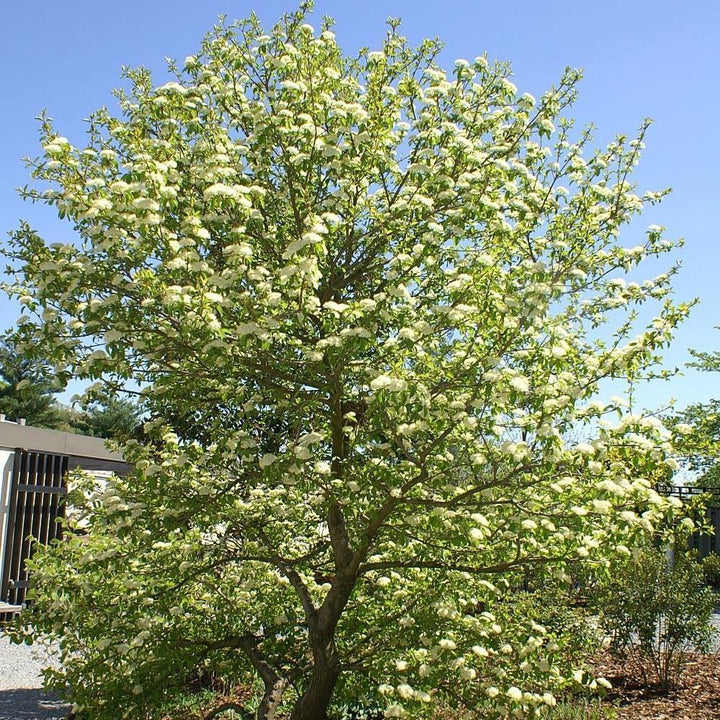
{"points": [[267, 459], [514, 693], [384, 382]]}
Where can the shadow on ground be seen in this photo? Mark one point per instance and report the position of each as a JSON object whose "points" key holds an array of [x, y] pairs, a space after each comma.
{"points": [[31, 704]]}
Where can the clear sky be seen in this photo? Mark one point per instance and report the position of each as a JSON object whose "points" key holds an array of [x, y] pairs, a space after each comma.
{"points": [[641, 58]]}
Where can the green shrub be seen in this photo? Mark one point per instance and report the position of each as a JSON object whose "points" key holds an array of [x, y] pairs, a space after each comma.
{"points": [[656, 612], [711, 570]]}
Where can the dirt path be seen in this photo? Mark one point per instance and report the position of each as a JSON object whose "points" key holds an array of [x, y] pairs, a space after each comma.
{"points": [[21, 695], [30, 704]]}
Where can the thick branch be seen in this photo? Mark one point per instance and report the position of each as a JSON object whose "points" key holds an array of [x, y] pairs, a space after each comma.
{"points": [[459, 567], [295, 580], [248, 643], [337, 527], [228, 706], [339, 539]]}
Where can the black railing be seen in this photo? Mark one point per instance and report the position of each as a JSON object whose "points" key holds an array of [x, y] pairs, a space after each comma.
{"points": [[37, 489], [707, 542], [687, 491]]}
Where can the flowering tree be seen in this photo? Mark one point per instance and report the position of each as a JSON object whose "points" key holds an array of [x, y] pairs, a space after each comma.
{"points": [[364, 300]]}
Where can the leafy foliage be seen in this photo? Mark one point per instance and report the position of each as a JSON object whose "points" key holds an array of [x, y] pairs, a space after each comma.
{"points": [[698, 430], [111, 416], [658, 611], [365, 300], [27, 389], [583, 711], [699, 441], [710, 566]]}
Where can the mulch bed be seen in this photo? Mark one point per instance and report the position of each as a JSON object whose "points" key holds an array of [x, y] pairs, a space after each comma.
{"points": [[695, 697]]}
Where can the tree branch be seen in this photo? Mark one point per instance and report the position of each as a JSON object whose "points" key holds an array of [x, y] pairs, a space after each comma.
{"points": [[228, 706], [458, 567], [295, 580]]}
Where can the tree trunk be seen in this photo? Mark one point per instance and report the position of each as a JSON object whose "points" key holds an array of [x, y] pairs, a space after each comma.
{"points": [[314, 702], [271, 701]]}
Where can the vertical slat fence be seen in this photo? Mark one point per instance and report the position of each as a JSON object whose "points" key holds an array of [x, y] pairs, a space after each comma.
{"points": [[37, 488]]}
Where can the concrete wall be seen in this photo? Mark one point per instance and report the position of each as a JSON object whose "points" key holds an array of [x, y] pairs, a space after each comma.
{"points": [[13, 436], [6, 467]]}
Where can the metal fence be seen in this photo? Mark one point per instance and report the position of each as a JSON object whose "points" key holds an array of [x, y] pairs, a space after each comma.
{"points": [[708, 542], [37, 488]]}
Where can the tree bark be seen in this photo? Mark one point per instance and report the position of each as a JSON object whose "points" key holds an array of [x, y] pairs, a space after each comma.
{"points": [[271, 701], [314, 702]]}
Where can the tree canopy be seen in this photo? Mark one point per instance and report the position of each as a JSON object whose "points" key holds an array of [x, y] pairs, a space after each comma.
{"points": [[27, 389], [365, 299], [698, 430]]}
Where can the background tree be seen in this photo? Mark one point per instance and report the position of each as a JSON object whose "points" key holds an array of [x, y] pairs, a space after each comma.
{"points": [[108, 415], [698, 430], [28, 388], [372, 296]]}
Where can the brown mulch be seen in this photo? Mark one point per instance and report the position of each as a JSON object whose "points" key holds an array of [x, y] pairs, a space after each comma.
{"points": [[236, 700], [695, 697]]}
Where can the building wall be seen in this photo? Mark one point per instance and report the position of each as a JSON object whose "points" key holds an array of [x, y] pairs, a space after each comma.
{"points": [[13, 436], [6, 468], [88, 453]]}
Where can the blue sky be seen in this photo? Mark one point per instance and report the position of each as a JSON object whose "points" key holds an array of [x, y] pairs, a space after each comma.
{"points": [[659, 59]]}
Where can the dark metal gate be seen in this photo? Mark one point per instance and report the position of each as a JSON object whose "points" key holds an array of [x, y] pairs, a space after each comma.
{"points": [[37, 489], [707, 542]]}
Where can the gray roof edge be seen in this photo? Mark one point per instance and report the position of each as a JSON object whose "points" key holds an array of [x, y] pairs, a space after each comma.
{"points": [[33, 438]]}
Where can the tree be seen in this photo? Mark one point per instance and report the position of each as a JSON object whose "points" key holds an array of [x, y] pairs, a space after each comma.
{"points": [[27, 389], [698, 430], [108, 416], [385, 292]]}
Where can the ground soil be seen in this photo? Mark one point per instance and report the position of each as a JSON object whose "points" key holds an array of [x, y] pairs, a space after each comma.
{"points": [[695, 697]]}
